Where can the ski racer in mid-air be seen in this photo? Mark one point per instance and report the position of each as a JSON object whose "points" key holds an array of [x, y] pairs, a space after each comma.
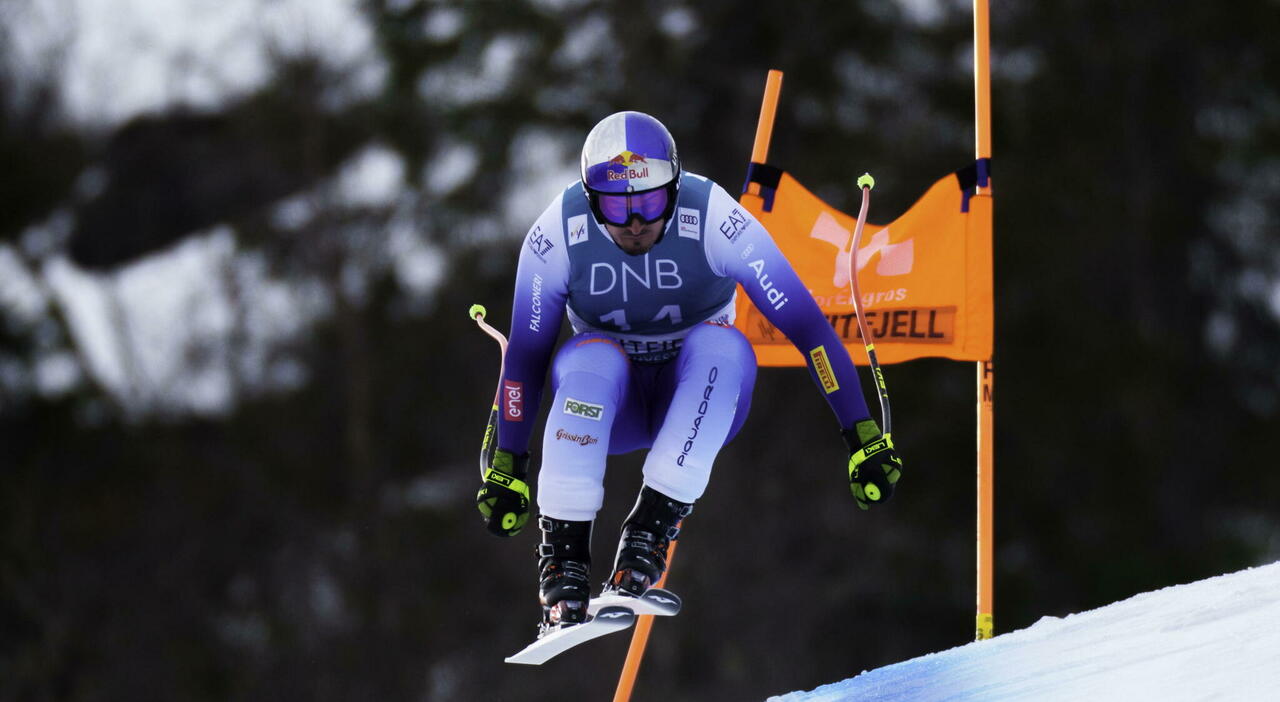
{"points": [[645, 259]]}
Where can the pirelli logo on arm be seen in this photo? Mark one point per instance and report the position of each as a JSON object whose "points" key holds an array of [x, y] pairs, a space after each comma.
{"points": [[822, 366]]}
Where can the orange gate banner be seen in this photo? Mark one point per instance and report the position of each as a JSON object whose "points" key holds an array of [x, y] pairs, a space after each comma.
{"points": [[925, 278]]}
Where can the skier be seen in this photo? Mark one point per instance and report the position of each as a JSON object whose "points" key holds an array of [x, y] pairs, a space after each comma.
{"points": [[645, 259]]}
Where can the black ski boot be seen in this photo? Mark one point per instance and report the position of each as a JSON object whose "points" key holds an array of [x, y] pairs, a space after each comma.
{"points": [[642, 550], [564, 589]]}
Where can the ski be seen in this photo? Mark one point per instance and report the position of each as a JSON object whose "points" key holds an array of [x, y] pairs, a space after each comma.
{"points": [[655, 601], [607, 620], [611, 611]]}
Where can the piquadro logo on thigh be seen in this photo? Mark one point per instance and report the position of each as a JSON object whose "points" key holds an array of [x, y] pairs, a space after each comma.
{"points": [[702, 413], [586, 410]]}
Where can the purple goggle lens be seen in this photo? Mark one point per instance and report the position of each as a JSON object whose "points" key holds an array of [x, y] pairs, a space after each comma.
{"points": [[619, 209]]}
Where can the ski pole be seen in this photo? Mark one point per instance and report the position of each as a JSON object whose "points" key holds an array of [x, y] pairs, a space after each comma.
{"points": [[477, 313], [866, 183]]}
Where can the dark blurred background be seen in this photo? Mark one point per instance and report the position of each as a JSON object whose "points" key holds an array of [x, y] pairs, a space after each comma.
{"points": [[241, 404]]}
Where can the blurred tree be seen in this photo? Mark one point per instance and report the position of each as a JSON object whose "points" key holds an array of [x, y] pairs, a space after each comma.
{"points": [[166, 176]]}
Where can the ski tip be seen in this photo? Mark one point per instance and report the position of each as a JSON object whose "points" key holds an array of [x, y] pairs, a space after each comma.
{"points": [[665, 598], [654, 602], [523, 659]]}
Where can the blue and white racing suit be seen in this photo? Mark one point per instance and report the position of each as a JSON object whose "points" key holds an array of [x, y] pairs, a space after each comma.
{"points": [[654, 361]]}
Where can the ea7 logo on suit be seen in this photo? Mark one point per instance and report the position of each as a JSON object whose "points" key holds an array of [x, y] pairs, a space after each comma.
{"points": [[540, 244]]}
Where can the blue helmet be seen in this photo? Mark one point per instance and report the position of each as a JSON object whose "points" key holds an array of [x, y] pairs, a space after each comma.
{"points": [[630, 168]]}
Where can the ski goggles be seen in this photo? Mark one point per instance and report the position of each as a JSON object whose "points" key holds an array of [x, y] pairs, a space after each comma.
{"points": [[618, 208]]}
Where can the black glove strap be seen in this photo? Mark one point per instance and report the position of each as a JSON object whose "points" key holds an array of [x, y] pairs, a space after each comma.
{"points": [[511, 464], [851, 440]]}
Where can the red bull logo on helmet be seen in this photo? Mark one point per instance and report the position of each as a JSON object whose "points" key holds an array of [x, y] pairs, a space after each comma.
{"points": [[628, 166], [628, 158]]}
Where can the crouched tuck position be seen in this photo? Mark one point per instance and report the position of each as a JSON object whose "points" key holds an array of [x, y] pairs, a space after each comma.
{"points": [[645, 260]]}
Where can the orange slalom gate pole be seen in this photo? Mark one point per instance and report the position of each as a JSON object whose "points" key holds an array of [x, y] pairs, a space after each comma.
{"points": [[986, 369], [986, 501], [982, 80], [764, 128], [759, 154], [639, 639]]}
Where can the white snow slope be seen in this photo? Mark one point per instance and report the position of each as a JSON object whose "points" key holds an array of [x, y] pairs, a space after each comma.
{"points": [[1217, 639]]}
